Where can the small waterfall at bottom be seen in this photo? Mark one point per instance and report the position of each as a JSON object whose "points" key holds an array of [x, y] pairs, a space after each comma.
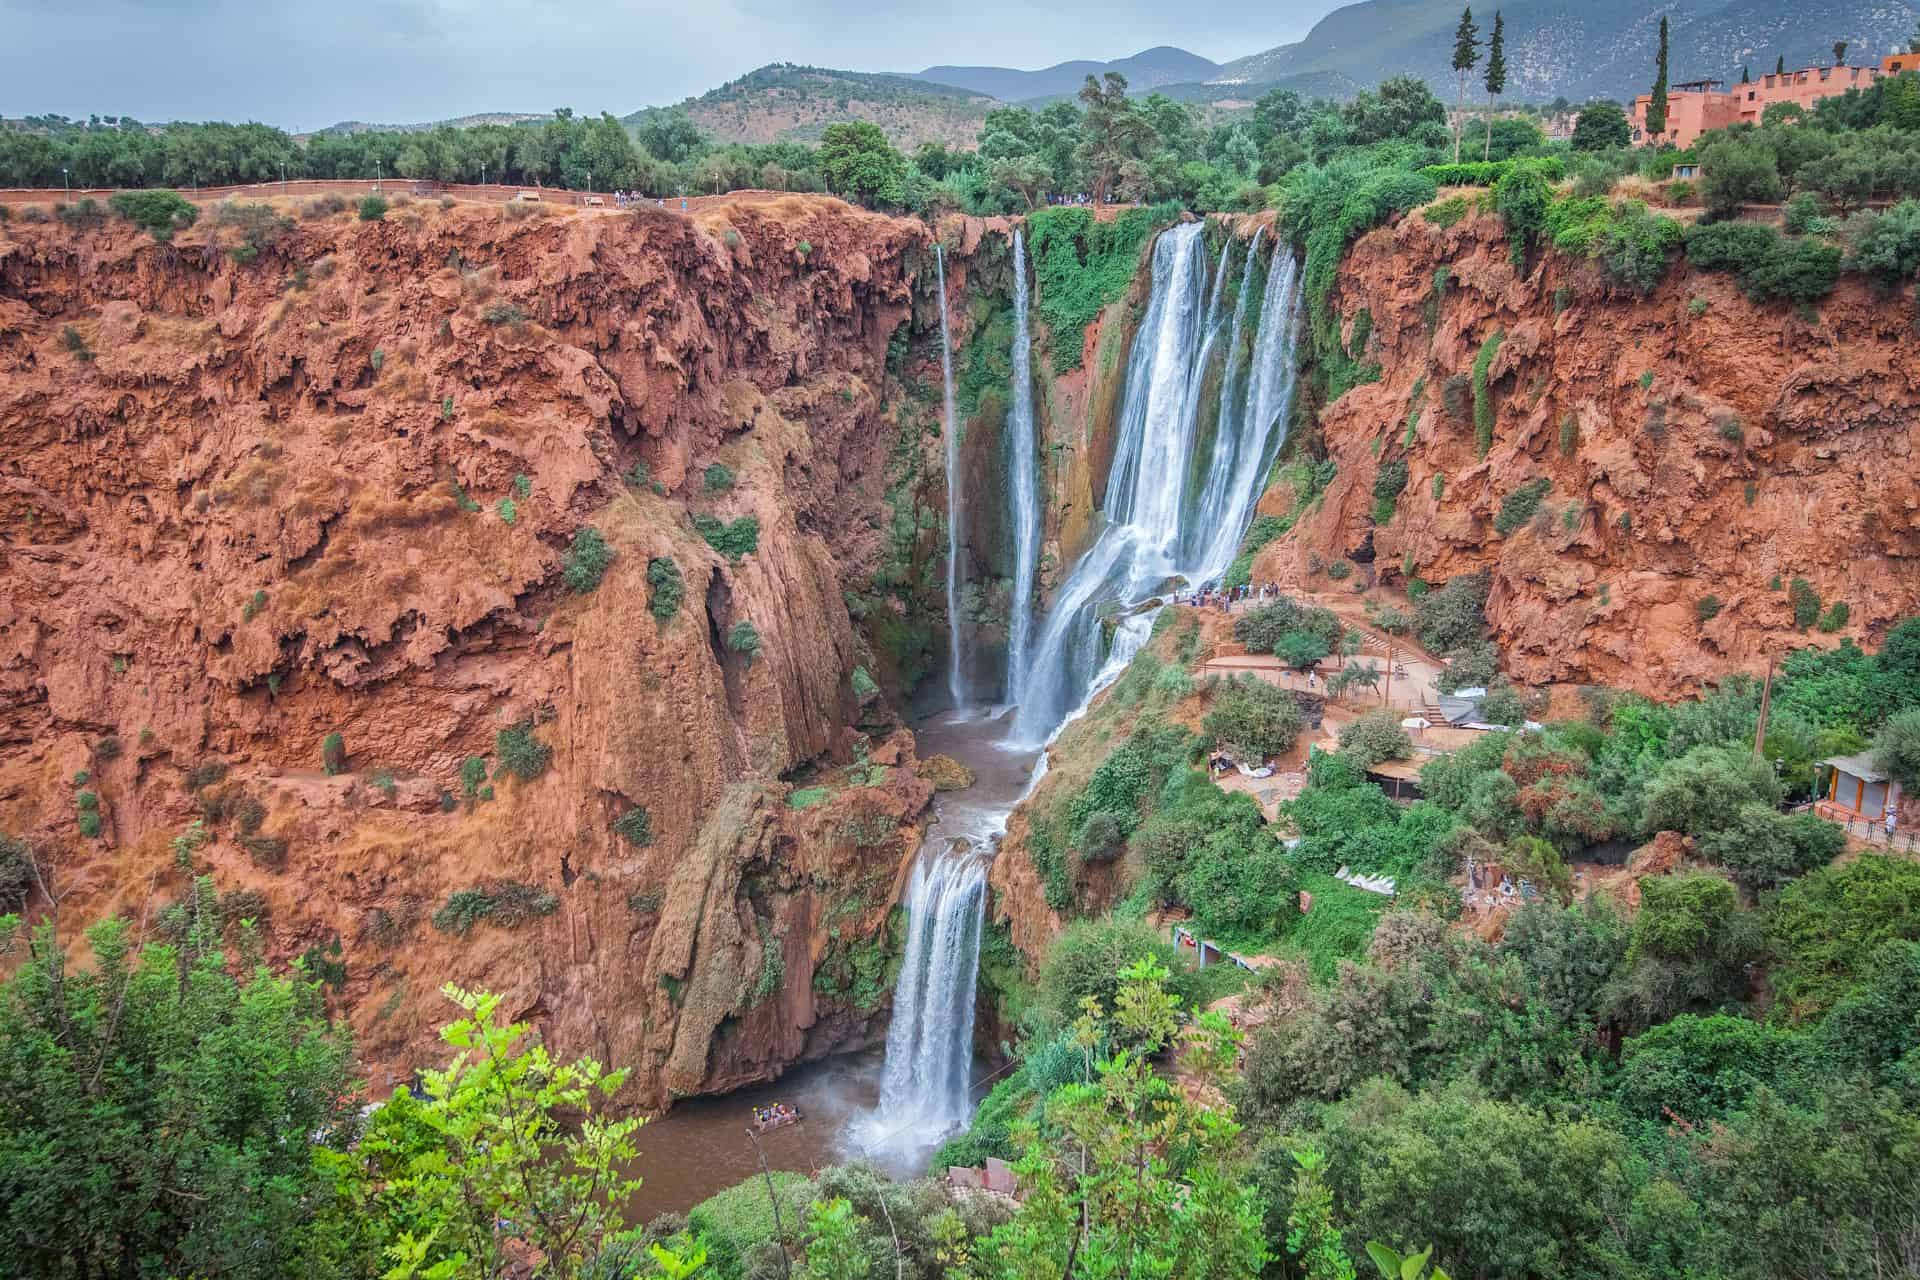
{"points": [[930, 1044]]}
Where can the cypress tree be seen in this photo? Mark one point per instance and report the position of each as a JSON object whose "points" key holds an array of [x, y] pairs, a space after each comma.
{"points": [[1657, 108], [1780, 65], [1496, 75], [1746, 75], [1839, 53], [1466, 52]]}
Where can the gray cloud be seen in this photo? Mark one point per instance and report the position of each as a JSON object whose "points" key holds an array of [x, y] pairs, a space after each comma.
{"points": [[308, 65]]}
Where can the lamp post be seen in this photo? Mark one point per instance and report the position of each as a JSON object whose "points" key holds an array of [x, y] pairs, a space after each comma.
{"points": [[65, 182]]}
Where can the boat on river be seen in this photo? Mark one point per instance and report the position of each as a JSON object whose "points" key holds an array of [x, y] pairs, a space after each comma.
{"points": [[778, 1116]]}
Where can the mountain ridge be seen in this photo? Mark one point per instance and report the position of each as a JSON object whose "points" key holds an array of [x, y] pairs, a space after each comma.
{"points": [[1148, 69]]}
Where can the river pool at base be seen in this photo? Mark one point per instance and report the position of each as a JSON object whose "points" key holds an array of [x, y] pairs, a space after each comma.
{"points": [[701, 1147]]}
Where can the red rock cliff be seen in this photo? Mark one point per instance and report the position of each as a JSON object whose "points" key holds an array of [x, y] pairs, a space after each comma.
{"points": [[1693, 444], [330, 489]]}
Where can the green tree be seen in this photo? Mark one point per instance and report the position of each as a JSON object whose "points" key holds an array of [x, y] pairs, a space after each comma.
{"points": [[857, 161], [1252, 720], [1839, 53], [503, 1134], [160, 1114], [1657, 106], [833, 1242], [158, 213], [1466, 53], [1301, 649], [1114, 131], [1601, 126], [1896, 751], [1496, 76]]}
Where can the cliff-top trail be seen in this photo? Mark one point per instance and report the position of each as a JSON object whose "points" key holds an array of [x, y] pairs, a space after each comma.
{"points": [[333, 489]]}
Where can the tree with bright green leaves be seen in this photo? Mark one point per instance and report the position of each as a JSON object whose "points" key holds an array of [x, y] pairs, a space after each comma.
{"points": [[833, 1242], [859, 163], [1115, 133], [1897, 749], [1466, 54], [1496, 80], [158, 1113], [504, 1144], [1657, 106], [1601, 126], [1140, 1181]]}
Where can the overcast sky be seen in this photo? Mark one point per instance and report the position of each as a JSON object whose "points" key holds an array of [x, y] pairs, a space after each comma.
{"points": [[308, 65]]}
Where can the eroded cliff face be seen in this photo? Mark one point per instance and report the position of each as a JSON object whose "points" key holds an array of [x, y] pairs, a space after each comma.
{"points": [[331, 489], [1691, 445]]}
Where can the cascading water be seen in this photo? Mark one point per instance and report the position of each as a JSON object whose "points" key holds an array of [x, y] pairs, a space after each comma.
{"points": [[1024, 497], [949, 428], [924, 1084], [1158, 533]]}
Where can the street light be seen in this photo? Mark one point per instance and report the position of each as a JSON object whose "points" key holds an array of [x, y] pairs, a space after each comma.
{"points": [[67, 184]]}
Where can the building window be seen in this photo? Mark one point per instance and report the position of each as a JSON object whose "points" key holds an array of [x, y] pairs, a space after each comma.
{"points": [[1749, 95]]}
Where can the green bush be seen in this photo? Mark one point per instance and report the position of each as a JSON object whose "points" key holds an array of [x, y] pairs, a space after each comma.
{"points": [[1806, 603], [1482, 399], [1481, 173], [373, 208], [473, 772], [735, 540], [1706, 608], [1830, 924], [509, 314], [1253, 720], [1734, 247], [587, 561], [1803, 272], [635, 826], [507, 903], [718, 478], [666, 586], [520, 753], [333, 754], [1835, 618], [1896, 749], [1375, 737], [745, 639], [158, 213], [1519, 506], [1103, 836], [1445, 213], [1680, 914], [1339, 570], [1886, 246], [1454, 615], [507, 511]]}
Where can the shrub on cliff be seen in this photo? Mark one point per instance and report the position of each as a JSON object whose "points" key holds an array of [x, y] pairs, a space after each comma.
{"points": [[667, 588], [587, 561], [732, 540], [744, 639], [373, 209], [158, 213], [1803, 272], [635, 826], [1886, 246], [1519, 506], [1452, 616], [520, 753], [718, 478], [333, 754]]}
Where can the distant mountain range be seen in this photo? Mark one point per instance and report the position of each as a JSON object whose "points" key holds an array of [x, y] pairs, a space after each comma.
{"points": [[1147, 70], [1596, 48], [1555, 48]]}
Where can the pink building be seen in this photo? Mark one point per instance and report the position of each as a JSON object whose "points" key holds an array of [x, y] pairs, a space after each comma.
{"points": [[1696, 106]]}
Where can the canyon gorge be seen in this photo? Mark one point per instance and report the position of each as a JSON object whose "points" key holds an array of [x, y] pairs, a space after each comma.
{"points": [[660, 785]]}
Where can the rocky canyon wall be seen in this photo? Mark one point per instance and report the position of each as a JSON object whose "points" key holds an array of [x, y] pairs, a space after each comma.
{"points": [[1680, 448], [281, 479]]}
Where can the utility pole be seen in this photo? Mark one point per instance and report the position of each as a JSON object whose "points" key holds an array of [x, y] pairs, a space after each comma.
{"points": [[1766, 701], [786, 1264]]}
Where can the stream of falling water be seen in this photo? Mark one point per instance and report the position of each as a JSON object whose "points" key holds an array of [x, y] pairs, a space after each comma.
{"points": [[1170, 518], [950, 431], [1025, 495]]}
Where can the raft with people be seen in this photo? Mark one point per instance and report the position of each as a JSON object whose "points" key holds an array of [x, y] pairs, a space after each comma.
{"points": [[777, 1116]]}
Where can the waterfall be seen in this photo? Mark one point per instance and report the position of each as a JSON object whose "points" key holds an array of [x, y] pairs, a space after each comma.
{"points": [[951, 430], [1025, 491], [924, 1084], [1157, 534]]}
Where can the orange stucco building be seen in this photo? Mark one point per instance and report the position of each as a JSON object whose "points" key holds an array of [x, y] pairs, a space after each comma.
{"points": [[1695, 106]]}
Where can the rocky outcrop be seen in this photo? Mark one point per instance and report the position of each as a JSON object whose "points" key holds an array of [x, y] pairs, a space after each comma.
{"points": [[1682, 446], [332, 489]]}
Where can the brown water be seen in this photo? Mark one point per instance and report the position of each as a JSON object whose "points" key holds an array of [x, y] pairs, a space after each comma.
{"points": [[701, 1147]]}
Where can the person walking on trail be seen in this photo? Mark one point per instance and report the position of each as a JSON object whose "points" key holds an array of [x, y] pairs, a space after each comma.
{"points": [[1892, 820]]}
